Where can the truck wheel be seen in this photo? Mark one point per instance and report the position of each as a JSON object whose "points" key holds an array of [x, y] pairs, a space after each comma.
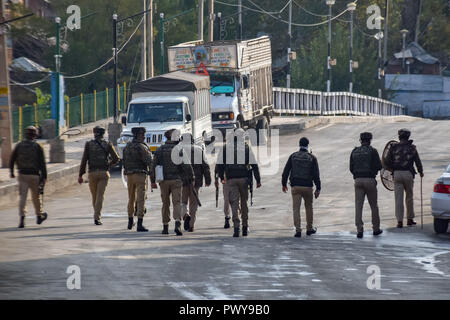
{"points": [[440, 225], [263, 132]]}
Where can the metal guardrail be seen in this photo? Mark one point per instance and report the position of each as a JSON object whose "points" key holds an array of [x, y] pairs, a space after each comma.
{"points": [[308, 102]]}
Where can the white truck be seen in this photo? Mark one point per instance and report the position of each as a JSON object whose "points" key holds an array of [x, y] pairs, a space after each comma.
{"points": [[175, 100], [241, 79]]}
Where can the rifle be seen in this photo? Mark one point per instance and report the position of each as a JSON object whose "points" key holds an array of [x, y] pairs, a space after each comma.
{"points": [[196, 196], [250, 183], [216, 183]]}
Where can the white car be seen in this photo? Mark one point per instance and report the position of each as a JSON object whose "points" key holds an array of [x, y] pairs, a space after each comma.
{"points": [[440, 202]]}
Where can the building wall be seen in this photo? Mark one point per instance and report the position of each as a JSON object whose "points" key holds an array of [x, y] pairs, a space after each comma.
{"points": [[413, 90]]}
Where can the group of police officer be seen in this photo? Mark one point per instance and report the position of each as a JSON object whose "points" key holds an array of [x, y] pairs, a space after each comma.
{"points": [[182, 180]]}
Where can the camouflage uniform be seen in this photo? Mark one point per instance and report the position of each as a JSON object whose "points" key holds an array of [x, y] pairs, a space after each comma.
{"points": [[137, 161], [100, 156], [201, 169], [30, 160], [235, 167], [175, 175]]}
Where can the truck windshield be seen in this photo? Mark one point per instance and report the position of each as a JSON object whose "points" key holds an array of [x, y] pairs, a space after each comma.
{"points": [[222, 83], [156, 112]]}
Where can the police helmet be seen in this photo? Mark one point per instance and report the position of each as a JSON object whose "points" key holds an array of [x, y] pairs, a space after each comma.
{"points": [[403, 134], [135, 131], [365, 136], [304, 142], [31, 130], [99, 130]]}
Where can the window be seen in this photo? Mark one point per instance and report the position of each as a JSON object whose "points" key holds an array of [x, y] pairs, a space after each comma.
{"points": [[156, 112]]}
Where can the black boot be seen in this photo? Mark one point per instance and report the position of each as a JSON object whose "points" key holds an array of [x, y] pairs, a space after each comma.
{"points": [[22, 222], [244, 231], [41, 218], [227, 223], [140, 227], [130, 223], [411, 222], [165, 229], [236, 232], [178, 228], [98, 222], [187, 220]]}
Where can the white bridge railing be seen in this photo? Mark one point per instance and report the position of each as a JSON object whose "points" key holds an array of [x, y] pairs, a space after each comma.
{"points": [[308, 102]]}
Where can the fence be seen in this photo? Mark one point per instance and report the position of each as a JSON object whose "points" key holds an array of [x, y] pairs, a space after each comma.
{"points": [[307, 102], [78, 110]]}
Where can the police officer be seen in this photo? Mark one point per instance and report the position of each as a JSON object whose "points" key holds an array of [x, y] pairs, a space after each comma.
{"points": [[196, 158], [364, 165], [226, 198], [303, 169], [137, 163], [225, 187], [176, 173], [238, 168], [401, 159], [100, 156], [30, 160]]}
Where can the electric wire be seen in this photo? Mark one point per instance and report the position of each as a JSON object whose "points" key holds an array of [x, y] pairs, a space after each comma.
{"points": [[110, 59], [15, 83]]}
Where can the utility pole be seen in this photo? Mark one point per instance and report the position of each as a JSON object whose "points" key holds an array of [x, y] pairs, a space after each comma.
{"points": [[150, 40], [240, 19], [288, 76], [211, 21], [386, 27], [416, 34], [200, 19], [115, 66], [351, 7], [5, 110], [144, 44], [329, 3]]}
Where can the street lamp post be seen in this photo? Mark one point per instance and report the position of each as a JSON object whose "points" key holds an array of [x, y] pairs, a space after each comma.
{"points": [[219, 20], [288, 76], [404, 32], [115, 65], [379, 37], [57, 69], [329, 3], [351, 7], [161, 37]]}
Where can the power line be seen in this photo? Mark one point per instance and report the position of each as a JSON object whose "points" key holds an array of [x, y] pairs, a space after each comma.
{"points": [[251, 9], [110, 59], [15, 83], [300, 24], [311, 13]]}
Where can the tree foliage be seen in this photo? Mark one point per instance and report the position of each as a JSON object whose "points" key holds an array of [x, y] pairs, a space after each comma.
{"points": [[91, 46]]}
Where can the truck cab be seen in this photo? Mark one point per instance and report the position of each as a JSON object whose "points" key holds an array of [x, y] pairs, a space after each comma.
{"points": [[176, 100], [156, 115]]}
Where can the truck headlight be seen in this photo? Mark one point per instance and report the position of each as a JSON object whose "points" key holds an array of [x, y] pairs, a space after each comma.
{"points": [[124, 139]]}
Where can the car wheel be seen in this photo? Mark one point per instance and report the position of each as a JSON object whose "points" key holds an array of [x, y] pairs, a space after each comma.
{"points": [[440, 225]]}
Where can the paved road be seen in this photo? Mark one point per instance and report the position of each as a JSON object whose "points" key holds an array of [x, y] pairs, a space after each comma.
{"points": [[209, 264]]}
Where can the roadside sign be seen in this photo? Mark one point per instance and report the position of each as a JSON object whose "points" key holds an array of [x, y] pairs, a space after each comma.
{"points": [[201, 70]]}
